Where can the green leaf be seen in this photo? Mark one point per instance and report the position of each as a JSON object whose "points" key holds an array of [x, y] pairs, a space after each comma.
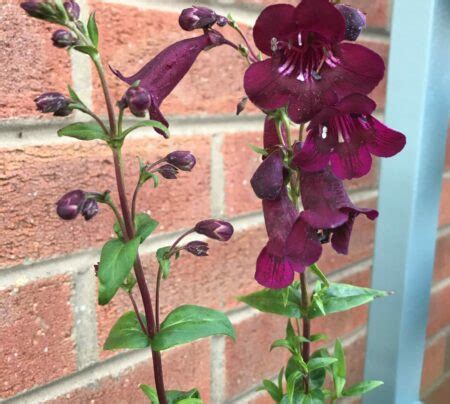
{"points": [[143, 224], [281, 343], [188, 323], [318, 363], [116, 260], [272, 301], [84, 131], [184, 397], [88, 50], [339, 368], [129, 283], [150, 123], [317, 377], [150, 392], [362, 388], [318, 337], [92, 29], [316, 270], [127, 334], [340, 297], [74, 96], [259, 150], [163, 260], [291, 384], [273, 390]]}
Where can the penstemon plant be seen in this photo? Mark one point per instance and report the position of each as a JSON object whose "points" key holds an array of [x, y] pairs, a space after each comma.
{"points": [[120, 267]]}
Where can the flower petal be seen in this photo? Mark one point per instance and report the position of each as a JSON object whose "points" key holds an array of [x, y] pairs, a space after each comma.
{"points": [[270, 134], [340, 240], [303, 245], [356, 104], [314, 155], [274, 272], [384, 141], [265, 27], [350, 160], [156, 114], [268, 179]]}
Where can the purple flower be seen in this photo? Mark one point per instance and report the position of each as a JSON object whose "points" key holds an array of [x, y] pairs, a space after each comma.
{"points": [[63, 39], [138, 100], [355, 21], [271, 139], [38, 9], [73, 9], [292, 244], [89, 209], [161, 75], [346, 135], [268, 179], [307, 62], [70, 204], [200, 17], [168, 172], [197, 248], [183, 160], [328, 207], [215, 229], [53, 102]]}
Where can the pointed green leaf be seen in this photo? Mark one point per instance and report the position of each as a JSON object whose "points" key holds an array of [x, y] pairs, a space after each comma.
{"points": [[259, 150], [316, 270], [183, 397], [281, 343], [318, 363], [127, 334], [318, 337], [291, 384], [317, 377], [150, 392], [116, 260], [88, 50], [93, 29], [339, 368], [362, 388], [189, 323], [74, 96], [149, 123], [273, 390], [84, 131], [163, 260], [143, 224]]}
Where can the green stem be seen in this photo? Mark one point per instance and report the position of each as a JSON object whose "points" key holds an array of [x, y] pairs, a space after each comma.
{"points": [[138, 315], [119, 218], [306, 346]]}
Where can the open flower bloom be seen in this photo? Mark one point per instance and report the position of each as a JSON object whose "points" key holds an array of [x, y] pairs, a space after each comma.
{"points": [[307, 62], [292, 244], [162, 74], [328, 207], [347, 135]]}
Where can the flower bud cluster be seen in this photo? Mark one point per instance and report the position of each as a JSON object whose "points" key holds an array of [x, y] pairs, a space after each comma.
{"points": [[75, 202], [200, 18]]}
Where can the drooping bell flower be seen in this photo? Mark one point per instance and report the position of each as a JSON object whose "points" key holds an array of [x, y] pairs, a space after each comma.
{"points": [[183, 160], [307, 62], [63, 39], [346, 135], [54, 102], [268, 180], [292, 244], [161, 75], [328, 207], [200, 18], [215, 229], [138, 100], [70, 204], [168, 172], [197, 248], [355, 21]]}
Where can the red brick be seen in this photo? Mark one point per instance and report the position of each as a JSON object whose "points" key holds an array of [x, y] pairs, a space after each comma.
{"points": [[439, 315], [33, 178], [32, 65], [444, 216], [214, 85], [442, 263], [434, 361], [184, 368], [440, 394], [36, 334], [447, 154]]}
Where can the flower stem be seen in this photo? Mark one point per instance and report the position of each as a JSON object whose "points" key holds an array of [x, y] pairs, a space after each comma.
{"points": [[306, 346], [157, 299], [138, 315]]}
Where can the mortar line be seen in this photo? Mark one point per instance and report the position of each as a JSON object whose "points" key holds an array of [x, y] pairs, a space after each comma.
{"points": [[217, 176], [218, 372]]}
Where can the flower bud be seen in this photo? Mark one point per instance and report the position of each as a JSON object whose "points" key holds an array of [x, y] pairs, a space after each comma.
{"points": [[200, 17], [63, 39], [183, 160], [168, 171], [268, 180], [70, 204], [197, 248], [138, 100], [53, 102], [73, 9], [215, 229], [90, 209], [35, 9], [355, 21]]}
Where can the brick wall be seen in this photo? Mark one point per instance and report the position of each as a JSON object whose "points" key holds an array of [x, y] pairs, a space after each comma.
{"points": [[51, 330]]}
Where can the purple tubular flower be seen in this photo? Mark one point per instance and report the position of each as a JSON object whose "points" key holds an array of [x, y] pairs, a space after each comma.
{"points": [[215, 229], [271, 139], [346, 135], [53, 102], [73, 9], [200, 18], [183, 160], [70, 204], [89, 209], [292, 244], [36, 9], [168, 172], [63, 39], [138, 100], [307, 62], [197, 248], [355, 21], [161, 75], [328, 207], [268, 179]]}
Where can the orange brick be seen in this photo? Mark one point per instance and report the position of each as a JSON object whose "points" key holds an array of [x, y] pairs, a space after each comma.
{"points": [[439, 316], [36, 334], [34, 178], [32, 64], [442, 260], [434, 362], [444, 215], [440, 394]]}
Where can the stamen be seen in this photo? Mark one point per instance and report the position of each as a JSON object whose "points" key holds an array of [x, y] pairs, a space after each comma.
{"points": [[274, 44], [324, 132], [300, 39]]}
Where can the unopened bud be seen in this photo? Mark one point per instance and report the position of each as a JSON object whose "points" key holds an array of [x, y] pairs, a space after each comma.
{"points": [[70, 204], [197, 248], [36, 9], [241, 106], [183, 160], [200, 18], [90, 209], [268, 180], [63, 39], [73, 9], [168, 171], [53, 102], [355, 21], [215, 229], [138, 100]]}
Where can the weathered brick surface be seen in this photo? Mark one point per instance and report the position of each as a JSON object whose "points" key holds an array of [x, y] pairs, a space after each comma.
{"points": [[34, 178], [439, 316], [434, 362], [444, 215], [184, 368], [440, 394], [442, 263], [36, 335], [31, 63]]}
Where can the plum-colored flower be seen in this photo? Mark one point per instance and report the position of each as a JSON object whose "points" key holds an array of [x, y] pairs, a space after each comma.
{"points": [[346, 135], [307, 62], [328, 207], [200, 18], [138, 100], [268, 180], [63, 39], [292, 245], [197, 248], [215, 229], [161, 75], [183, 160], [355, 21]]}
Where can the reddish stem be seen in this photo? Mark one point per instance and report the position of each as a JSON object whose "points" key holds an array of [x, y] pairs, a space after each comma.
{"points": [[306, 346]]}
